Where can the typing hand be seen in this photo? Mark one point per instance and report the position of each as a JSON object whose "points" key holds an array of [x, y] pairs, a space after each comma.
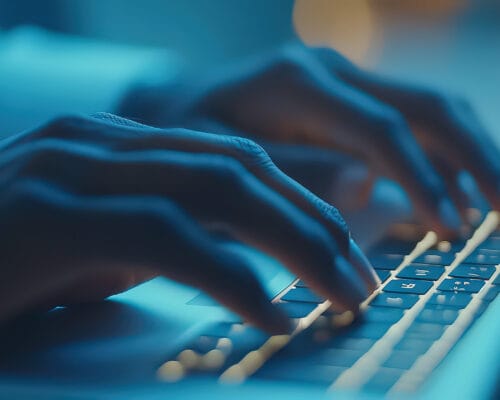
{"points": [[92, 206], [418, 137]]}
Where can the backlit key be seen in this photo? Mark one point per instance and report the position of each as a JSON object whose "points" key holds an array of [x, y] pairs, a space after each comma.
{"points": [[435, 257], [426, 272], [450, 299], [396, 300], [461, 285], [386, 261], [439, 315], [302, 294], [481, 258], [383, 274], [408, 286], [473, 271]]}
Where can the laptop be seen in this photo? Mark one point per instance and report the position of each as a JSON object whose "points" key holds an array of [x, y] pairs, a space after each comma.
{"points": [[430, 331]]}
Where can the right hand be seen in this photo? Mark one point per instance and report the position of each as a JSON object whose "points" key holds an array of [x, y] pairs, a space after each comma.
{"points": [[418, 137], [93, 206]]}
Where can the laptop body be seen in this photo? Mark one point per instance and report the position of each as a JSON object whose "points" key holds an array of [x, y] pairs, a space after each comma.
{"points": [[430, 331]]}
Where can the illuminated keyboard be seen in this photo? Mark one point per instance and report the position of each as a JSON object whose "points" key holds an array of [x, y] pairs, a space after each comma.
{"points": [[431, 293]]}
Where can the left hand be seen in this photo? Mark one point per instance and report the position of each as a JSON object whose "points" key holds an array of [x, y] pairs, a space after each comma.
{"points": [[315, 97]]}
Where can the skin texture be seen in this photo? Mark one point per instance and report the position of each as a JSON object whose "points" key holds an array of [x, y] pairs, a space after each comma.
{"points": [[420, 138], [103, 204]]}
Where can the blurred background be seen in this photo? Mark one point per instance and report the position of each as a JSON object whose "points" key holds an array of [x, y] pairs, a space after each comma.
{"points": [[452, 44]]}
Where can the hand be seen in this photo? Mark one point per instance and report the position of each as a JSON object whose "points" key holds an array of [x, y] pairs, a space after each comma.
{"points": [[315, 97], [90, 207]]}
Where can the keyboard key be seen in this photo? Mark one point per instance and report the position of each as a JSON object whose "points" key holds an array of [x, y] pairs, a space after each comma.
{"points": [[401, 359], [294, 371], [301, 283], [296, 309], [421, 271], [480, 258], [336, 357], [415, 345], [393, 246], [492, 293], [395, 300], [473, 271], [461, 285], [303, 295], [368, 330], [425, 331], [492, 243], [450, 299], [386, 261], [447, 247], [380, 314], [383, 274], [497, 280], [384, 379], [363, 344], [438, 315], [435, 257], [493, 252], [407, 286]]}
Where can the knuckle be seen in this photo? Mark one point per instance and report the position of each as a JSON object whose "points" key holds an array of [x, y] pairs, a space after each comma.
{"points": [[247, 151], [333, 214]]}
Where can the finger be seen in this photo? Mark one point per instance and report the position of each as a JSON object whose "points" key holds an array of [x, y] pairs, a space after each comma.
{"points": [[124, 233], [125, 135], [379, 134], [327, 174], [256, 160], [216, 190], [472, 149], [451, 124]]}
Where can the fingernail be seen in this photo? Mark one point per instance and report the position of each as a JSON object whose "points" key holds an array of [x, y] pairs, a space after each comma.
{"points": [[449, 215], [354, 287], [357, 258]]}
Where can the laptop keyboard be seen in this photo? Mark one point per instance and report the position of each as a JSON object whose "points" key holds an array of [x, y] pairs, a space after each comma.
{"points": [[431, 293]]}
